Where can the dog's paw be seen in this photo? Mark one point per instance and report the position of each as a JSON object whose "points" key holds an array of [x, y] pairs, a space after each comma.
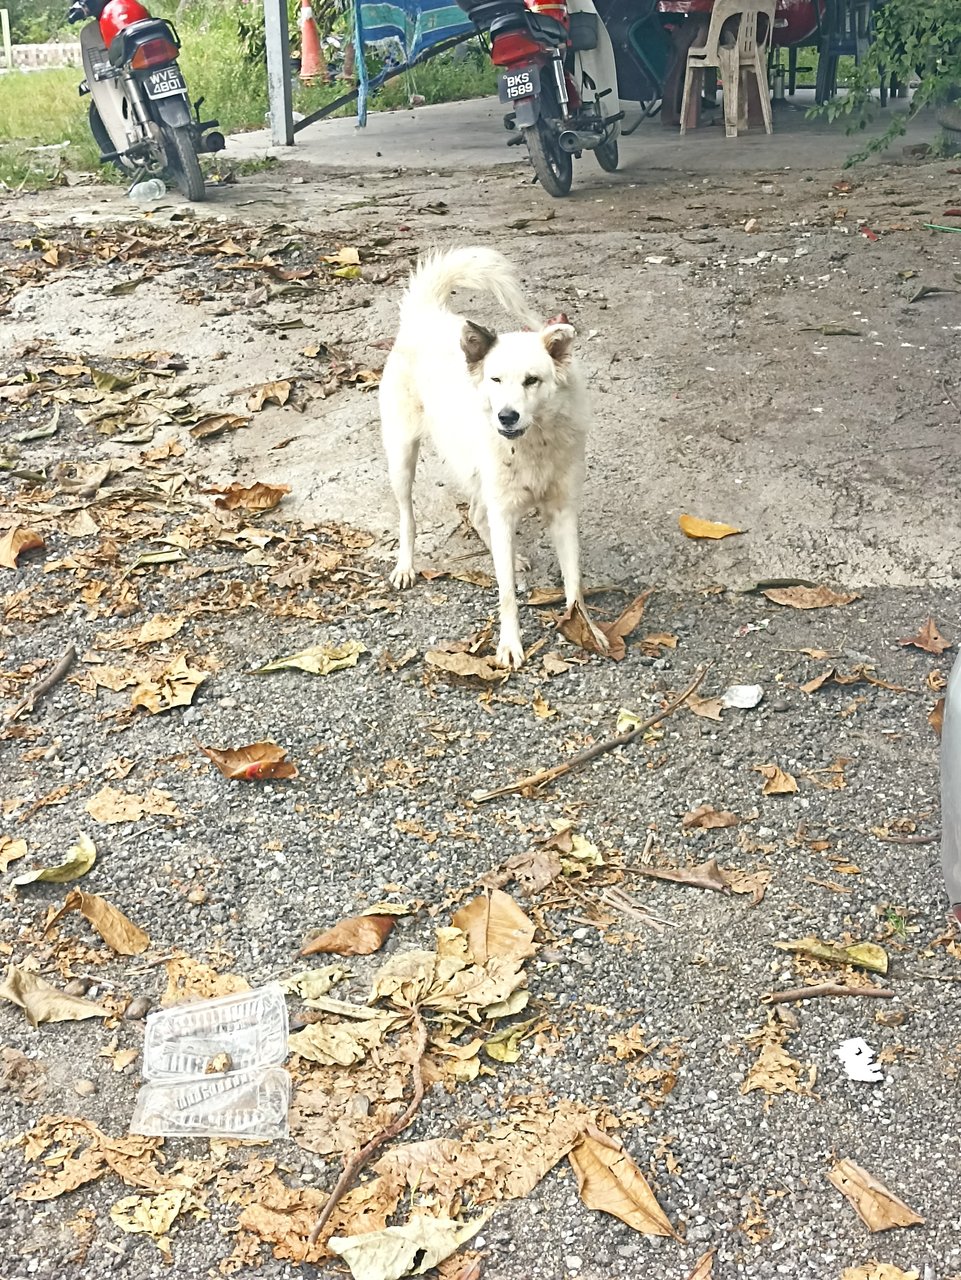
{"points": [[402, 578], [510, 652], [522, 564]]}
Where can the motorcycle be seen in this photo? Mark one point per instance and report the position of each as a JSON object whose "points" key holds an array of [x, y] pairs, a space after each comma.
{"points": [[139, 113], [564, 77]]}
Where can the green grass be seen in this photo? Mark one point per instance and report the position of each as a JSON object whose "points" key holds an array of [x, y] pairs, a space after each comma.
{"points": [[42, 108]]}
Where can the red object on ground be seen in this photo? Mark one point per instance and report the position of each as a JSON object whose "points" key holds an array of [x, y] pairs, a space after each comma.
{"points": [[119, 14], [312, 61]]}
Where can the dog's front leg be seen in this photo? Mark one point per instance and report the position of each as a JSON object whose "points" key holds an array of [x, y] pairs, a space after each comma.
{"points": [[510, 648], [567, 546], [402, 464]]}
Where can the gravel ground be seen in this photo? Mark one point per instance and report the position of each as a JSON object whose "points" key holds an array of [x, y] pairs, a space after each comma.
{"points": [[388, 760]]}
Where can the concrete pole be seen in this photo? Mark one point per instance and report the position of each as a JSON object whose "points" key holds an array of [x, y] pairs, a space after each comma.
{"points": [[7, 42], [278, 73]]}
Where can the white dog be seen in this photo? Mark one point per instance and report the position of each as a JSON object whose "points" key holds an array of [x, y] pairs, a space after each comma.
{"points": [[507, 413]]}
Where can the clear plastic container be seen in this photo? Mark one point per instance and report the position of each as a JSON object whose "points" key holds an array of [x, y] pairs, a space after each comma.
{"points": [[239, 1104], [148, 191], [234, 1034]]}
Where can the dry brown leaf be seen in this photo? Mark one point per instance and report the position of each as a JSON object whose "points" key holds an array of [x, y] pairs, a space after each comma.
{"points": [[574, 626], [214, 423], [774, 1070], [111, 805], [809, 597], [133, 1159], [706, 875], [43, 1003], [875, 1270], [254, 497], [151, 1215], [776, 781], [14, 542], [467, 666], [704, 1267], [80, 858], [877, 1207], [255, 763], [541, 707], [609, 1180], [160, 627], [622, 626], [693, 527], [706, 817], [706, 708], [355, 936], [189, 979], [174, 687], [119, 933], [936, 717], [270, 393], [495, 926], [929, 638], [10, 851]]}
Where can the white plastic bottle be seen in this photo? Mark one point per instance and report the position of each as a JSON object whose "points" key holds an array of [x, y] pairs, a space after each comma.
{"points": [[148, 191]]}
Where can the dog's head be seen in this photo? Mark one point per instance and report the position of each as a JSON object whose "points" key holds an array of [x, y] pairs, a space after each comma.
{"points": [[517, 372]]}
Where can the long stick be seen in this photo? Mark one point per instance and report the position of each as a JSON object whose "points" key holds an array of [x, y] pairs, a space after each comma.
{"points": [[825, 989], [544, 776], [354, 1166], [43, 686]]}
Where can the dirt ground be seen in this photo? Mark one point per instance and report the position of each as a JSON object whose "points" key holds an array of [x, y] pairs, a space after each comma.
{"points": [[775, 349]]}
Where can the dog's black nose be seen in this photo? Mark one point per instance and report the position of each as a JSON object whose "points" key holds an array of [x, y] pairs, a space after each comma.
{"points": [[508, 417]]}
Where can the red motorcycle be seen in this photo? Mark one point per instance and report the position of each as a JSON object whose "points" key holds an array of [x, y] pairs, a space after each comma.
{"points": [[140, 114]]}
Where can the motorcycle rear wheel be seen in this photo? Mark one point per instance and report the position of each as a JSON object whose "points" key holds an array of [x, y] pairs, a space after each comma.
{"points": [[607, 155], [554, 167], [182, 163]]}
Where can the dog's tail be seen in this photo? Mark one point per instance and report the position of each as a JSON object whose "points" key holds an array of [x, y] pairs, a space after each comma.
{"points": [[476, 269]]}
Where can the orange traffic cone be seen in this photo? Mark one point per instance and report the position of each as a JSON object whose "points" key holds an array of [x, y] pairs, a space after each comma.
{"points": [[312, 61]]}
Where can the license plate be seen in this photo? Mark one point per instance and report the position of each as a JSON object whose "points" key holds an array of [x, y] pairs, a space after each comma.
{"points": [[164, 83], [524, 82]]}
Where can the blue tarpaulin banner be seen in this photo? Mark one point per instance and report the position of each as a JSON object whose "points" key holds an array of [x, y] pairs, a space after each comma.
{"points": [[417, 25]]}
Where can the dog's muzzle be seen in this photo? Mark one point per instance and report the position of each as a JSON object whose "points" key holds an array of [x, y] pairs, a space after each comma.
{"points": [[508, 419]]}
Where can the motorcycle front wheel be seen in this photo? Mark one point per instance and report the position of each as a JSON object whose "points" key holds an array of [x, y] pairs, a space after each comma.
{"points": [[607, 156], [182, 163], [554, 167]]}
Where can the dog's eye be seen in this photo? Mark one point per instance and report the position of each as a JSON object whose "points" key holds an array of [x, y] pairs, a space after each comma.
{"points": [[495, 379], [531, 380]]}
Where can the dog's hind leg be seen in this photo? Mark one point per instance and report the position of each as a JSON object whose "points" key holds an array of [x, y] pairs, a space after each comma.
{"points": [[510, 647], [402, 449], [567, 545]]}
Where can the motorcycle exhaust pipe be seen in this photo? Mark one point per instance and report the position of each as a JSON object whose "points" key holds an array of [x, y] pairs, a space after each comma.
{"points": [[572, 140], [212, 142]]}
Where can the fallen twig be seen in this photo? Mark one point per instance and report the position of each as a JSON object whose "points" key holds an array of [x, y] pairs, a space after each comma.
{"points": [[43, 686], [544, 776], [895, 838], [824, 989], [353, 1167]]}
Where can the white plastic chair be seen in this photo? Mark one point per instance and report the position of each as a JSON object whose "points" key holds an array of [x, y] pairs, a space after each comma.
{"points": [[741, 50]]}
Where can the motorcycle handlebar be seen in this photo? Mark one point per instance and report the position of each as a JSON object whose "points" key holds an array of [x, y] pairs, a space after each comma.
{"points": [[76, 13]]}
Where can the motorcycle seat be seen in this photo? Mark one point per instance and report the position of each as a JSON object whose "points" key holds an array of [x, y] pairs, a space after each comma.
{"points": [[538, 24], [122, 45], [483, 13]]}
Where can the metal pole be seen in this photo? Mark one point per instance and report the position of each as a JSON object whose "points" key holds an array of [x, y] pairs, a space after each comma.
{"points": [[278, 73], [7, 42], [361, 65]]}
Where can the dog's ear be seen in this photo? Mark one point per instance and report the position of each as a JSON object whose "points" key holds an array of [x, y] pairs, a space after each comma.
{"points": [[475, 342], [558, 339]]}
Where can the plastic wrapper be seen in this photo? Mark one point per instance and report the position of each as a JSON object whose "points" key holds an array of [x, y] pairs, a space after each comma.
{"points": [[239, 1104], [233, 1033]]}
